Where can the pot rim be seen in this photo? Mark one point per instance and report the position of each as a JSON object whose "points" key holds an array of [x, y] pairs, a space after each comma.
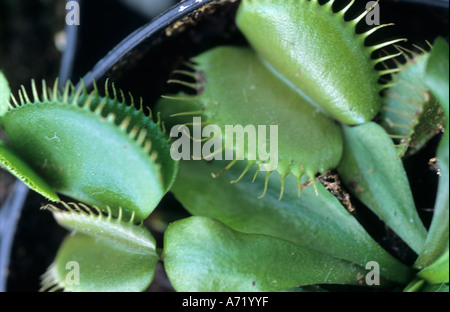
{"points": [[124, 50]]}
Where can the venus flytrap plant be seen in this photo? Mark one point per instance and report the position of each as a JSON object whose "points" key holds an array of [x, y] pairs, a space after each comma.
{"points": [[116, 162]]}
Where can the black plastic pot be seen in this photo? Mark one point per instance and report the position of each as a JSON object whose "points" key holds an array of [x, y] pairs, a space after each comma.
{"points": [[141, 64]]}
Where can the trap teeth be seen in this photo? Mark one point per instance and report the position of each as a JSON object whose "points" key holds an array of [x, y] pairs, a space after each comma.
{"points": [[111, 142]]}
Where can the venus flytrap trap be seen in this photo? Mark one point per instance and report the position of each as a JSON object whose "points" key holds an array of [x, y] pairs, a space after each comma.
{"points": [[331, 65], [240, 90], [411, 114], [41, 130], [113, 254]]}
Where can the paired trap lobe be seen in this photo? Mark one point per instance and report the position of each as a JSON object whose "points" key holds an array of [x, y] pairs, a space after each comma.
{"points": [[95, 149], [99, 241], [411, 114], [241, 90]]}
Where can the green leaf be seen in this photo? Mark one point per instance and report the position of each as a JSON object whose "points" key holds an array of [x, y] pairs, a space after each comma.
{"points": [[12, 163], [4, 94], [87, 264], [317, 221], [437, 272], [202, 254], [371, 170], [437, 78]]}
